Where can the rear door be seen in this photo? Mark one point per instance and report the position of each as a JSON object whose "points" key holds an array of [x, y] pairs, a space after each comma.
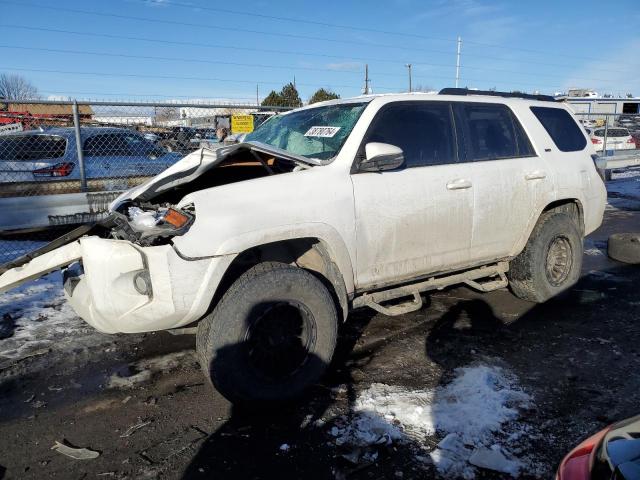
{"points": [[511, 183], [418, 218], [567, 150]]}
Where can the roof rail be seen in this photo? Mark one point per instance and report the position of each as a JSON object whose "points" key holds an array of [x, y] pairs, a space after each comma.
{"points": [[491, 93]]}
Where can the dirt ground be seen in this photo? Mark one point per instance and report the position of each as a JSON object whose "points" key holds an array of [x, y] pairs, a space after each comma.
{"points": [[577, 356]]}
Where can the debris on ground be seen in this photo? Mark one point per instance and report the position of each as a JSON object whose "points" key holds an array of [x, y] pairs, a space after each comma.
{"points": [[493, 459], [143, 370], [134, 428], [75, 453]]}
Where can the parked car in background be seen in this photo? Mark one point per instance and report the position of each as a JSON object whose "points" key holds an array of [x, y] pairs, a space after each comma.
{"points": [[37, 166], [179, 139], [617, 139], [636, 138], [610, 454], [632, 122]]}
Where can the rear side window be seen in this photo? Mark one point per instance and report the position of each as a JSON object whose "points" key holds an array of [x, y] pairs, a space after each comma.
{"points": [[32, 147], [492, 132], [561, 127], [117, 144], [423, 130]]}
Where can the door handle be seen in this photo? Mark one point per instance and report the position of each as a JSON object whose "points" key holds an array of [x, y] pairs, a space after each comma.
{"points": [[537, 175], [458, 184]]}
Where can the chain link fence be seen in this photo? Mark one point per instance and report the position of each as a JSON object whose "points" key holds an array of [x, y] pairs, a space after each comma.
{"points": [[62, 163]]}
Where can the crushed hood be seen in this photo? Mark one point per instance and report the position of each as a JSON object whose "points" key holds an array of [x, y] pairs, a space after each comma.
{"points": [[195, 164]]}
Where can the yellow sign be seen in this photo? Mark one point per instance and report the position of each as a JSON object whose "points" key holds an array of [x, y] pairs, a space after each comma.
{"points": [[241, 123]]}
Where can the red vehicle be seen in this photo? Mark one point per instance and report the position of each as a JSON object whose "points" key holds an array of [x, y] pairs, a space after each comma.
{"points": [[610, 454]]}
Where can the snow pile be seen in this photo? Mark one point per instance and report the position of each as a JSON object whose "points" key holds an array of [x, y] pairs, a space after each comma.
{"points": [[471, 412]]}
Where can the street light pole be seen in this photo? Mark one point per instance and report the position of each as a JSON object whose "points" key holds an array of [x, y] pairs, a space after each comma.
{"points": [[458, 61], [408, 65]]}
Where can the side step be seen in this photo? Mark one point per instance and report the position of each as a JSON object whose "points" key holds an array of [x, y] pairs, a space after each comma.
{"points": [[468, 277]]}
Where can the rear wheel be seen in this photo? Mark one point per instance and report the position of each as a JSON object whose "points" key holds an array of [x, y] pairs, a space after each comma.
{"points": [[271, 335], [551, 260]]}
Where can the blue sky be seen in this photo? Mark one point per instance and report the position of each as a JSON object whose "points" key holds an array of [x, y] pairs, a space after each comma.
{"points": [[208, 51]]}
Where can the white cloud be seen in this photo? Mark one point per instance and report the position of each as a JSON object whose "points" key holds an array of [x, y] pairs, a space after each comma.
{"points": [[345, 66]]}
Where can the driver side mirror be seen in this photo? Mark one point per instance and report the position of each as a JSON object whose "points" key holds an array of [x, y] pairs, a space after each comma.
{"points": [[381, 157]]}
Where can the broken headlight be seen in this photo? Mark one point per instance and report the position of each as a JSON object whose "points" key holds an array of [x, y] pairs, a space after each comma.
{"points": [[150, 224]]}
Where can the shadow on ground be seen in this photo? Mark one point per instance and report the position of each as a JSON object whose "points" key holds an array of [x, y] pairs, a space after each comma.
{"points": [[570, 353]]}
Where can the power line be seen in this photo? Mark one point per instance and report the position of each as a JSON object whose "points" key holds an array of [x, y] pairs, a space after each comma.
{"points": [[174, 77], [220, 46], [348, 27], [308, 54], [216, 27], [291, 19], [181, 59]]}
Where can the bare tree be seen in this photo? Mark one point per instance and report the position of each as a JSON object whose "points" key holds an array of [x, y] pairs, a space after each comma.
{"points": [[16, 87], [423, 88], [164, 114]]}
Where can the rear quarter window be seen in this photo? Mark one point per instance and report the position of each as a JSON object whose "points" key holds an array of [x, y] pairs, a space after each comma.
{"points": [[561, 127]]}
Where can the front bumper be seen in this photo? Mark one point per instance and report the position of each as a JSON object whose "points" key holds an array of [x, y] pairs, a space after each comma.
{"points": [[122, 287]]}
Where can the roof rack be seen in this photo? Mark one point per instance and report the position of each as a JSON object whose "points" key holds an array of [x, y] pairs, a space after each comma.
{"points": [[491, 93]]}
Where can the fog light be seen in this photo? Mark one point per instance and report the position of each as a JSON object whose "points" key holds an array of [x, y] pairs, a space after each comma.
{"points": [[142, 283]]}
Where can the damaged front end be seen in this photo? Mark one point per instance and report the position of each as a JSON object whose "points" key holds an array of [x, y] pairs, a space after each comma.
{"points": [[123, 274], [149, 224]]}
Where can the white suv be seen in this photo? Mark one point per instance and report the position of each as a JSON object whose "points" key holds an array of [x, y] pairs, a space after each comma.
{"points": [[266, 245]]}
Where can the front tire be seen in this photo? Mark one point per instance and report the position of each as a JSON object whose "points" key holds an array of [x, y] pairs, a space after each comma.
{"points": [[550, 262], [272, 334]]}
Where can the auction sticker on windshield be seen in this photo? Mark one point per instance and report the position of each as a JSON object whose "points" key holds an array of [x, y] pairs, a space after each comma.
{"points": [[326, 132]]}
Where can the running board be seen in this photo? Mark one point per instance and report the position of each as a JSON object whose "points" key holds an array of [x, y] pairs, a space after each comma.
{"points": [[469, 277]]}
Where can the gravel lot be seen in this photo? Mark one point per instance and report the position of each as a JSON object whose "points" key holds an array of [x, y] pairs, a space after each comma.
{"points": [[471, 375]]}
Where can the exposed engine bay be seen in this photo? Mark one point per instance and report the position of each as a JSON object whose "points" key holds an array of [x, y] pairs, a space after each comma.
{"points": [[147, 215]]}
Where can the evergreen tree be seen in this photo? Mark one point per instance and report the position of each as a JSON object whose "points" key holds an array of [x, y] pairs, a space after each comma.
{"points": [[321, 95], [290, 96], [274, 99]]}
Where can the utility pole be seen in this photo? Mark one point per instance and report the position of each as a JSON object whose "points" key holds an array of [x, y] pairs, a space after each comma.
{"points": [[366, 89], [458, 61], [257, 96], [408, 65]]}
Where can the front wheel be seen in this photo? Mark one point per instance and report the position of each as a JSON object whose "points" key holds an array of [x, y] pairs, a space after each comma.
{"points": [[271, 335], [550, 262]]}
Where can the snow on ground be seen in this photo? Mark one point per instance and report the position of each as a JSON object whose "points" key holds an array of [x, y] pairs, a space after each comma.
{"points": [[35, 319], [476, 414]]}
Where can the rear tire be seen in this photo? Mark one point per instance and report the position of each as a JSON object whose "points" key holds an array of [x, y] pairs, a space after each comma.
{"points": [[272, 334], [550, 262]]}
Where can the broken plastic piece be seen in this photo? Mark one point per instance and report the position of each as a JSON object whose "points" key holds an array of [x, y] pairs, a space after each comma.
{"points": [[75, 453]]}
